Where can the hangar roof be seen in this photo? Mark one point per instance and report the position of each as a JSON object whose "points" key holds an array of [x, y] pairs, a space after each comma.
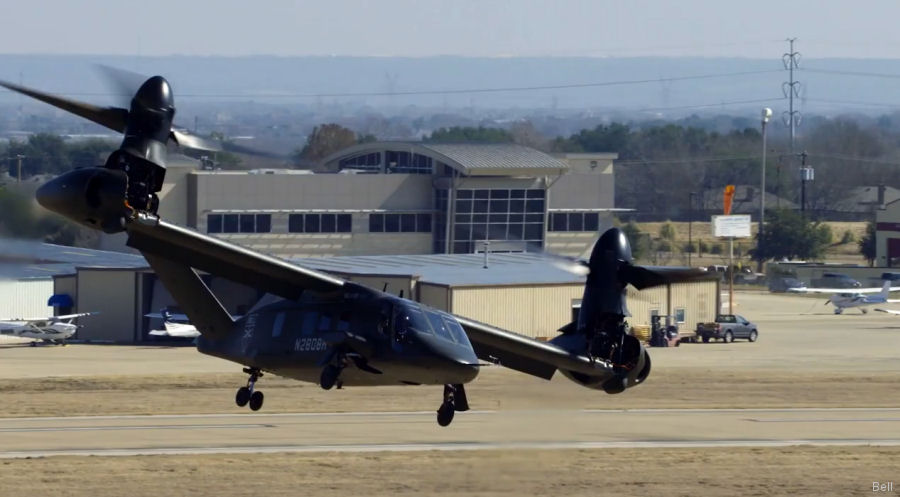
{"points": [[451, 269], [501, 159], [31, 259]]}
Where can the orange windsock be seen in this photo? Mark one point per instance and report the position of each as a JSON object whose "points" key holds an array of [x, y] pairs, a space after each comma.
{"points": [[726, 201]]}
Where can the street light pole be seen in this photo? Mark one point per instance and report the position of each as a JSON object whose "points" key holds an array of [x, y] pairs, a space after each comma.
{"points": [[690, 225], [766, 114]]}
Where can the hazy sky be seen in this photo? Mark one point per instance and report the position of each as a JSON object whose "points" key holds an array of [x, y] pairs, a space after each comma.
{"points": [[624, 28]]}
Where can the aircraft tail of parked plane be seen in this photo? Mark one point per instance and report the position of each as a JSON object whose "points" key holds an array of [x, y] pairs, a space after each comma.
{"points": [[174, 325]]}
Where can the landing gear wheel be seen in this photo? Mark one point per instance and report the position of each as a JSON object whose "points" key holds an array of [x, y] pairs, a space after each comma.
{"points": [[256, 401], [445, 413], [242, 396], [329, 376], [752, 336], [729, 337]]}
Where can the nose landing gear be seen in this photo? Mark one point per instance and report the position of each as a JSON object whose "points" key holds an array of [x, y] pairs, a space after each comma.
{"points": [[247, 395], [454, 400]]}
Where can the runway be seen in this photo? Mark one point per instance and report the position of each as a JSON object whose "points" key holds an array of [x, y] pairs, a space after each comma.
{"points": [[416, 431]]}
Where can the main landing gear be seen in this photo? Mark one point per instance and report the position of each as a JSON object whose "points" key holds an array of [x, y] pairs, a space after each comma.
{"points": [[247, 395], [454, 400]]}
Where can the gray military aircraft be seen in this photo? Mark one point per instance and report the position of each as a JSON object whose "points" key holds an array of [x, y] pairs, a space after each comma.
{"points": [[320, 328]]}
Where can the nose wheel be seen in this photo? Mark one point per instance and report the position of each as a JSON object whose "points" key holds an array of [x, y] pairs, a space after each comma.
{"points": [[330, 375], [454, 400], [247, 395]]}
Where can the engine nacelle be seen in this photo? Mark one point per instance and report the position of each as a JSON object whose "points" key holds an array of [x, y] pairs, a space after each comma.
{"points": [[93, 197], [633, 370]]}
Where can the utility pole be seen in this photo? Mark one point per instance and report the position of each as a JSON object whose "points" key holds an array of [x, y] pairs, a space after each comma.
{"points": [[766, 114], [19, 158], [791, 89], [690, 225], [806, 174]]}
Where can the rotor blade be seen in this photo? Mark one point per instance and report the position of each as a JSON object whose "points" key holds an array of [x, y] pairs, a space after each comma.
{"points": [[641, 277], [113, 118], [123, 83], [568, 264], [187, 140]]}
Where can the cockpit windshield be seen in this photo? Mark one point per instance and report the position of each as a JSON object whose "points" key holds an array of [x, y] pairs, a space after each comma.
{"points": [[409, 317]]}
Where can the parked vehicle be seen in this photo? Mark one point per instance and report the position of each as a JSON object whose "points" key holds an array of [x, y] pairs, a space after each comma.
{"points": [[728, 327]]}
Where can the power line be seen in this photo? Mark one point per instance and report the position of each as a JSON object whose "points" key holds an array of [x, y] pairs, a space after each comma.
{"points": [[447, 91], [853, 73], [719, 104], [685, 161]]}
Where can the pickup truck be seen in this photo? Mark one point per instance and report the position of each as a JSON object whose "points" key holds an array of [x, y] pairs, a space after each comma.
{"points": [[728, 327]]}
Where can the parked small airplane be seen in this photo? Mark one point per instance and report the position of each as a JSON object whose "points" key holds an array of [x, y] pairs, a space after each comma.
{"points": [[174, 325], [54, 329], [842, 299]]}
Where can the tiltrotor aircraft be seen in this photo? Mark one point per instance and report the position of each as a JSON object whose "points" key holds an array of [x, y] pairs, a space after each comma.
{"points": [[316, 327]]}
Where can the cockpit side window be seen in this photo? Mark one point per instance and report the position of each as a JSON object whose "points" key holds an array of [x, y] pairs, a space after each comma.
{"points": [[439, 326]]}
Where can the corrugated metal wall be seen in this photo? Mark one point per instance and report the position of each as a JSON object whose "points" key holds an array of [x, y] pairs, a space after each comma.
{"points": [[539, 311], [25, 298], [698, 300], [113, 293], [641, 304], [535, 311], [434, 296]]}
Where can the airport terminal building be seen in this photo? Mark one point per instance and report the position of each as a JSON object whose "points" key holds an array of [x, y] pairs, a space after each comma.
{"points": [[402, 198]]}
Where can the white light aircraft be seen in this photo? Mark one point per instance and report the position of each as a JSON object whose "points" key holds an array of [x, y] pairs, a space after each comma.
{"points": [[54, 329], [845, 298], [171, 326]]}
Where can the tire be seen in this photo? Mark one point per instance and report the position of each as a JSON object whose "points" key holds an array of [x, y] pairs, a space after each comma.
{"points": [[256, 400], [705, 339], [242, 396], [753, 336], [729, 337], [445, 414], [329, 376]]}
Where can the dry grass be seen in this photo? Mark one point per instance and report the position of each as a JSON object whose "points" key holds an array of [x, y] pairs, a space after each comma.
{"points": [[620, 472], [495, 389]]}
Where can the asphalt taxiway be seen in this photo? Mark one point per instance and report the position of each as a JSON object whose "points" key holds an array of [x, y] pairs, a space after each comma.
{"points": [[410, 431]]}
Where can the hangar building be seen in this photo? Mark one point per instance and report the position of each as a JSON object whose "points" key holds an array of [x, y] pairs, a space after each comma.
{"points": [[519, 292], [887, 235], [401, 198]]}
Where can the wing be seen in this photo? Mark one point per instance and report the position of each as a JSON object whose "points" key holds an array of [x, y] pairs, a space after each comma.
{"points": [[72, 316], [215, 256], [889, 311], [823, 290], [526, 354]]}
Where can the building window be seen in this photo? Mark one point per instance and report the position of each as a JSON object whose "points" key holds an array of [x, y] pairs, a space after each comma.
{"points": [[574, 221], [400, 223], [365, 162], [320, 223], [214, 223], [407, 162], [498, 215], [679, 315], [239, 223]]}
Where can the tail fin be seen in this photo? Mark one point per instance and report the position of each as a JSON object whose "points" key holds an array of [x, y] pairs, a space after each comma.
{"points": [[885, 289]]}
